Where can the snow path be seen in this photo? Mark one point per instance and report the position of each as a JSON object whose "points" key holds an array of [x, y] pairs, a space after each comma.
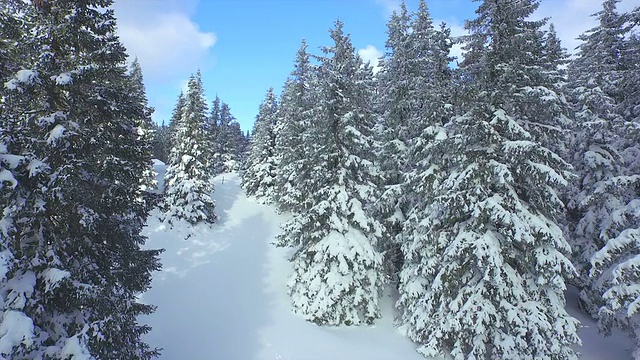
{"points": [[221, 295], [594, 345]]}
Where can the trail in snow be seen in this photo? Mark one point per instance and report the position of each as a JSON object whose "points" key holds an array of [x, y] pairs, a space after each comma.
{"points": [[221, 295]]}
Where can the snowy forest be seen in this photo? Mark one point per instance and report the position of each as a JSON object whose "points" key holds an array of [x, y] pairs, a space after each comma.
{"points": [[476, 191]]}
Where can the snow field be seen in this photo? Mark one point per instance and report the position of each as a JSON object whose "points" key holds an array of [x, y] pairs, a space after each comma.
{"points": [[222, 295]]}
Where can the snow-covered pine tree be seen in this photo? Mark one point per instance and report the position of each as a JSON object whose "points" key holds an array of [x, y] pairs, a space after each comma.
{"points": [[148, 180], [488, 258], [596, 150], [213, 130], [188, 185], [226, 157], [418, 97], [161, 142], [397, 104], [292, 187], [237, 151], [72, 263], [629, 106], [606, 199], [338, 273], [176, 116], [11, 133], [554, 129], [258, 178], [10, 32]]}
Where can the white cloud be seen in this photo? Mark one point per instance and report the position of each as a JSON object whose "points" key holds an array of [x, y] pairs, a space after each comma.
{"points": [[389, 6], [168, 43], [171, 43], [572, 17], [370, 54]]}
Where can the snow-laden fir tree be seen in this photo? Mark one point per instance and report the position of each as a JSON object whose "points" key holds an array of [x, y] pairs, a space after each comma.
{"points": [[216, 161], [176, 116], [10, 127], [552, 115], [606, 198], [226, 134], [488, 259], [629, 103], [258, 178], [597, 159], [397, 104], [293, 146], [148, 180], [415, 86], [337, 268], [161, 142], [238, 147], [188, 185], [72, 263]]}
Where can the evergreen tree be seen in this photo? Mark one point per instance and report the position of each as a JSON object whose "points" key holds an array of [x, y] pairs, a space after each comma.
{"points": [[213, 129], [629, 106], [488, 259], [176, 116], [397, 105], [238, 150], [292, 143], [145, 124], [161, 142], [226, 157], [416, 89], [337, 267], [10, 33], [555, 130], [606, 197], [188, 185], [259, 175], [71, 246]]}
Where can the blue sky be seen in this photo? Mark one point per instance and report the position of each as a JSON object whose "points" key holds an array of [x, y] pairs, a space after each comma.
{"points": [[243, 47]]}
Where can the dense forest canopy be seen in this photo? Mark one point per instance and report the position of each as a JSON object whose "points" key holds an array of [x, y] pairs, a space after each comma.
{"points": [[479, 192]]}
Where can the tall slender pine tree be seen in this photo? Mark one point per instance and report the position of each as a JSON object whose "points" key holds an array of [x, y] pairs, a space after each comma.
{"points": [[293, 143], [188, 185], [338, 274], [258, 178]]}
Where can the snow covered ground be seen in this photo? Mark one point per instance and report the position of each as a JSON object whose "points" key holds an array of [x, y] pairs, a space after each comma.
{"points": [[222, 295]]}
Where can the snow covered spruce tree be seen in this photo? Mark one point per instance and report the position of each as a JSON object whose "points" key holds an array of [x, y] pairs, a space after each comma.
{"points": [[488, 260], [176, 116], [292, 143], [238, 149], [597, 159], [227, 137], [11, 131], [606, 235], [415, 87], [337, 267], [72, 263], [161, 142], [148, 180], [397, 105], [216, 162], [258, 178], [188, 186], [629, 103]]}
